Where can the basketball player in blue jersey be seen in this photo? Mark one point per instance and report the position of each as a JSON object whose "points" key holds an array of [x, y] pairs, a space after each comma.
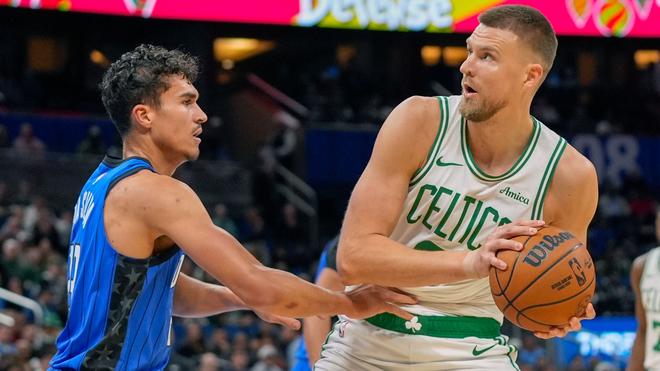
{"points": [[133, 223], [449, 182], [316, 328]]}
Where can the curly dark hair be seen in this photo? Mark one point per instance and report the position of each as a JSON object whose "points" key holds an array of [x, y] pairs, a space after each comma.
{"points": [[139, 77]]}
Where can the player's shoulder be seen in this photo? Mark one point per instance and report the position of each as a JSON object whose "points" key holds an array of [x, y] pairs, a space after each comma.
{"points": [[148, 190], [637, 268], [417, 109], [414, 118], [574, 170], [640, 261]]}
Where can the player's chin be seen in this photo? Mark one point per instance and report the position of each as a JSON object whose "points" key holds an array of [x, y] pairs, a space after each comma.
{"points": [[192, 154]]}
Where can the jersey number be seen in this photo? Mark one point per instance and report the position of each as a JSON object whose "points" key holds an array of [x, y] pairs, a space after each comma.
{"points": [[74, 259]]}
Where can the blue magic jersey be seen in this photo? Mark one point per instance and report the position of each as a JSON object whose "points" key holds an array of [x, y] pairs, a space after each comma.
{"points": [[120, 308]]}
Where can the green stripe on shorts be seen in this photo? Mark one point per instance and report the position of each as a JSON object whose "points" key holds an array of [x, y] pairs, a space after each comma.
{"points": [[439, 326]]}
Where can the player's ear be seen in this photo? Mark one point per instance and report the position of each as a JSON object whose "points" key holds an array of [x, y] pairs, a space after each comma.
{"points": [[142, 117], [533, 75]]}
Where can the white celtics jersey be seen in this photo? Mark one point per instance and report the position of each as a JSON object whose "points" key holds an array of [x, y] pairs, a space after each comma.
{"points": [[650, 290], [454, 205]]}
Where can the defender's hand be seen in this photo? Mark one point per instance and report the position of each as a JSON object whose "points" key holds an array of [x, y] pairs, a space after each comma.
{"points": [[369, 300], [291, 323]]}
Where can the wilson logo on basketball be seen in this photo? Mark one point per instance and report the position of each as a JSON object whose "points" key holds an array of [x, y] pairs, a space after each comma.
{"points": [[540, 251]]}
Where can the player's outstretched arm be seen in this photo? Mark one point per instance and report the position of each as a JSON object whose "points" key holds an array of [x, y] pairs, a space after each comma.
{"points": [[570, 205], [366, 253], [175, 211], [636, 361], [194, 298]]}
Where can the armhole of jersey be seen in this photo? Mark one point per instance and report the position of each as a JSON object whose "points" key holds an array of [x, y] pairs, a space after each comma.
{"points": [[548, 173], [433, 151]]}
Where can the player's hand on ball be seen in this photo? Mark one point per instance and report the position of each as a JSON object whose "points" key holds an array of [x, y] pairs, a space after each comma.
{"points": [[477, 262], [289, 322], [369, 300], [573, 325]]}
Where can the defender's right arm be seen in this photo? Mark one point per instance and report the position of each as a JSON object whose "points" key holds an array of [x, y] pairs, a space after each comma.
{"points": [[170, 208], [366, 253]]}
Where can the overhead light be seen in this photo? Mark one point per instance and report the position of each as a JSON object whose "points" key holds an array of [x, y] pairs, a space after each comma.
{"points": [[644, 58], [431, 55], [238, 49], [454, 55], [98, 58]]}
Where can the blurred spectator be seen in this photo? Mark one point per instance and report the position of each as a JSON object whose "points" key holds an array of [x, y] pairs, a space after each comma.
{"points": [[209, 362], [253, 225], [26, 144], [531, 353], [239, 360], [222, 220], [269, 359], [220, 344], [93, 142], [193, 345]]}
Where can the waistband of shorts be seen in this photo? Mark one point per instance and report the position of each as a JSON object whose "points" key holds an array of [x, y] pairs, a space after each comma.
{"points": [[454, 327]]}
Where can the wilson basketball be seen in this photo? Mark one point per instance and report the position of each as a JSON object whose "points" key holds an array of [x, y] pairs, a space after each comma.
{"points": [[546, 283]]}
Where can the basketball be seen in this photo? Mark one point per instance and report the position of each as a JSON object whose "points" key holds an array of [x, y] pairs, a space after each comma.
{"points": [[546, 283]]}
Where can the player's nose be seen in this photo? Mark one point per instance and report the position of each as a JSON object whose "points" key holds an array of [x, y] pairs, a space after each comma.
{"points": [[201, 116], [466, 67]]}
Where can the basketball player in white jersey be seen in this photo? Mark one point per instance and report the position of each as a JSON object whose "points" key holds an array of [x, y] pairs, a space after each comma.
{"points": [[645, 280], [450, 180]]}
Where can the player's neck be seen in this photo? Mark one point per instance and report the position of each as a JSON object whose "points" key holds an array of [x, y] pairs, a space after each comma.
{"points": [[161, 163], [497, 143]]}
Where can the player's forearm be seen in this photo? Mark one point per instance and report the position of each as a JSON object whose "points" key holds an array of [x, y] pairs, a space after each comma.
{"points": [[636, 361], [283, 293], [194, 298], [376, 259]]}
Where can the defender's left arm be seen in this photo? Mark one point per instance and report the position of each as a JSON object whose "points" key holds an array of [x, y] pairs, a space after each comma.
{"points": [[570, 205], [194, 298]]}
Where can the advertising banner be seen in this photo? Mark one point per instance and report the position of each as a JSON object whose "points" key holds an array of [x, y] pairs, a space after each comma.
{"points": [[620, 18]]}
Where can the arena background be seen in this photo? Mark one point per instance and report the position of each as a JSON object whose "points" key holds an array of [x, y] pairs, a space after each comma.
{"points": [[296, 91]]}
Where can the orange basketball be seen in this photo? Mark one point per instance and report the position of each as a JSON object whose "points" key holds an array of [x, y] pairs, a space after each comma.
{"points": [[546, 283]]}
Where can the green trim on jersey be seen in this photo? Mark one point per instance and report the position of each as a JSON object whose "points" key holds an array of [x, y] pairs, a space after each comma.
{"points": [[453, 327], [435, 148], [537, 209], [522, 160], [327, 338], [513, 348]]}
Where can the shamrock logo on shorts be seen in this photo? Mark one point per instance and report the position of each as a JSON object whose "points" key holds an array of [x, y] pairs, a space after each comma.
{"points": [[413, 325]]}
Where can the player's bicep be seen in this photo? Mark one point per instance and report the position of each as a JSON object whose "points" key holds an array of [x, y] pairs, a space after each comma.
{"points": [[400, 149], [574, 195], [181, 216]]}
